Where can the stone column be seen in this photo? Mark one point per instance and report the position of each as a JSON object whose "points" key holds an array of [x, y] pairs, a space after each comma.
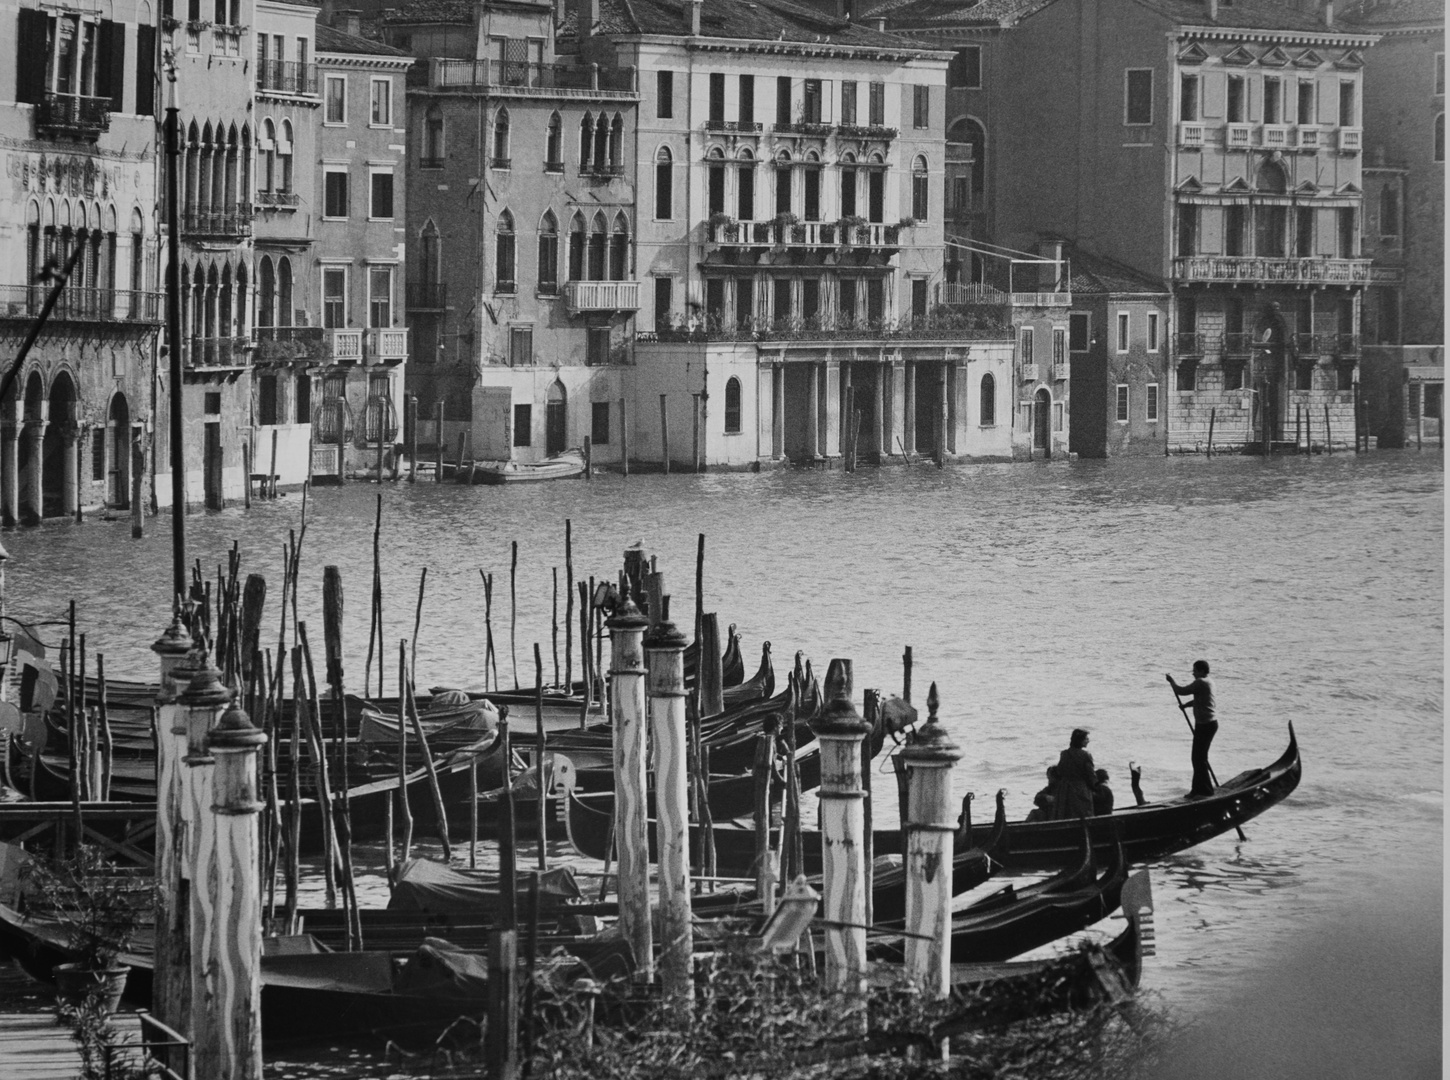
{"points": [[234, 963], [665, 658], [840, 730], [908, 410], [831, 395], [10, 470], [70, 485], [777, 384], [171, 976], [879, 426], [930, 834], [32, 496], [631, 783], [813, 424], [896, 402]]}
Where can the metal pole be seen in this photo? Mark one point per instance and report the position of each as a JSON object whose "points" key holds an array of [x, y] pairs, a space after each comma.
{"points": [[173, 340]]}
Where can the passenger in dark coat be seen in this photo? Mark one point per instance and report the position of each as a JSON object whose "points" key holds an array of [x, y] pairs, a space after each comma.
{"points": [[1076, 776], [1102, 794], [1042, 801]]}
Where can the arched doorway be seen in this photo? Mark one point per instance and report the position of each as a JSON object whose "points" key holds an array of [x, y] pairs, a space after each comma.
{"points": [[1042, 422], [1270, 358], [59, 468], [118, 433], [28, 466], [556, 416]]}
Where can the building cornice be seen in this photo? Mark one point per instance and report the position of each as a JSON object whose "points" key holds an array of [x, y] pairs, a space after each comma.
{"points": [[364, 60], [1284, 37], [826, 49]]}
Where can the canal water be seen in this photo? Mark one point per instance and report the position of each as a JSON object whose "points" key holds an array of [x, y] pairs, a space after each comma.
{"points": [[1038, 597]]}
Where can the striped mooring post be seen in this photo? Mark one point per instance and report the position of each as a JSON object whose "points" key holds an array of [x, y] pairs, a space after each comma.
{"points": [[665, 659], [631, 823]]}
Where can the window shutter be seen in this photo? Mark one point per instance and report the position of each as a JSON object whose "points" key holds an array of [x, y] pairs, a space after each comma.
{"points": [[145, 71], [1213, 95], [30, 56], [111, 64]]}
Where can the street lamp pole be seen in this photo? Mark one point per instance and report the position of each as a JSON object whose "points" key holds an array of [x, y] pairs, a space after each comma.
{"points": [[173, 333]]}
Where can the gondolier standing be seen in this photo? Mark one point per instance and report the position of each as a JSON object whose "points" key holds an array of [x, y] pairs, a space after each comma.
{"points": [[1205, 725]]}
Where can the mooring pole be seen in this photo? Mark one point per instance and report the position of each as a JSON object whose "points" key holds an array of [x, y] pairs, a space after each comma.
{"points": [[709, 670], [235, 960], [631, 823], [930, 837], [665, 659], [171, 975], [840, 729], [174, 381]]}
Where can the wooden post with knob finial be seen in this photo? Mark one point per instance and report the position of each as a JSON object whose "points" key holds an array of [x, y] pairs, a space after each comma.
{"points": [[665, 661], [631, 823], [839, 730], [930, 836]]}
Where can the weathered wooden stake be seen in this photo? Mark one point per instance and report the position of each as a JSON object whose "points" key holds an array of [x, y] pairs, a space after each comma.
{"points": [[588, 458], [439, 808], [554, 625], [138, 477], [272, 472], [473, 813], [1212, 419], [1298, 426], [906, 675], [586, 671], [247, 477], [843, 873], [665, 660], [848, 430], [631, 836], [108, 747], [1328, 432], [380, 455], [514, 609], [1354, 404], [542, 822], [766, 872], [438, 443], [412, 438], [501, 1036], [623, 437], [1308, 430], [235, 961], [664, 435], [342, 440], [930, 838], [871, 713], [569, 608], [407, 709], [709, 674], [695, 432], [332, 611]]}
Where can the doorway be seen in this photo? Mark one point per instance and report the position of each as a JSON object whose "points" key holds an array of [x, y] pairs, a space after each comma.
{"points": [[119, 425], [212, 466], [556, 420], [1042, 422]]}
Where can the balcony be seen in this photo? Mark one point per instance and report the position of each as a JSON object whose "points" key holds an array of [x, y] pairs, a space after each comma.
{"points": [[427, 295], [1346, 344], [436, 163], [734, 127], [1309, 138], [600, 169], [286, 344], [73, 115], [1266, 271], [958, 292], [1238, 136], [278, 200], [584, 296], [344, 346], [1190, 136], [287, 77], [1238, 343], [1031, 373], [232, 221], [863, 131], [1351, 140], [1190, 344], [1276, 136], [518, 78], [801, 127], [82, 305], [1062, 372], [806, 234], [218, 354], [387, 344]]}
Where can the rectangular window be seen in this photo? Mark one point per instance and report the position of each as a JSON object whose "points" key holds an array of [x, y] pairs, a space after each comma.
{"points": [[744, 303], [848, 302], [782, 190], [1233, 230], [920, 107], [1188, 98], [1057, 416], [1059, 346], [1440, 74], [599, 423], [664, 300], [334, 193], [877, 116], [1152, 403], [812, 195], [380, 296], [875, 302], [1152, 331], [664, 94], [1188, 230], [336, 98], [782, 99], [664, 186], [1138, 96], [521, 346], [303, 47], [145, 70], [812, 108], [1122, 403], [747, 99], [1027, 352], [780, 300], [1306, 102], [1237, 99], [811, 298], [1346, 232], [596, 345], [334, 297], [1122, 331], [1079, 329], [1273, 101], [523, 425], [382, 103], [1346, 104], [848, 102], [715, 301], [918, 298], [382, 196], [1304, 232], [965, 70], [717, 97]]}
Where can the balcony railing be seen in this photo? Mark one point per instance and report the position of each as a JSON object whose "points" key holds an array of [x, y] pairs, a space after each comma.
{"points": [[74, 115], [1308, 344], [231, 221], [1031, 372], [385, 343], [272, 200], [1190, 135], [82, 305], [1238, 136], [1238, 343], [287, 77], [223, 352], [828, 234], [864, 131], [1275, 137], [1267, 270], [1309, 138], [802, 127], [1190, 344], [602, 296], [523, 77], [280, 344], [1346, 344], [346, 346], [1351, 140], [427, 295], [977, 294], [940, 327], [1063, 371], [600, 168], [734, 127]]}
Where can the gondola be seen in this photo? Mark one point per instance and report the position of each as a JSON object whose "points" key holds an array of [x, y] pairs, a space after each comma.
{"points": [[1157, 829]]}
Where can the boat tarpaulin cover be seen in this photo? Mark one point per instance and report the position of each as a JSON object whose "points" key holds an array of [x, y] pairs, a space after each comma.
{"points": [[441, 969], [427, 886]]}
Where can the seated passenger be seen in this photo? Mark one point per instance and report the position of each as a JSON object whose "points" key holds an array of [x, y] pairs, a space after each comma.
{"points": [[1042, 801], [1102, 794]]}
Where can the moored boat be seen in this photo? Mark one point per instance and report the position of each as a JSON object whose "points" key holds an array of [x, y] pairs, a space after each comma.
{"points": [[560, 466]]}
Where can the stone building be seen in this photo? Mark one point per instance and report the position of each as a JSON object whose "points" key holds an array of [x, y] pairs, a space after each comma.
{"points": [[78, 102], [522, 288]]}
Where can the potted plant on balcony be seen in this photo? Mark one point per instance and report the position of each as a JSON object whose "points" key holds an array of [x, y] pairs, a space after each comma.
{"points": [[848, 226], [783, 222], [98, 909], [723, 226]]}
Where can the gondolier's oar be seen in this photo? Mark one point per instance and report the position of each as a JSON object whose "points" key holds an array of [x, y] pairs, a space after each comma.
{"points": [[1184, 710]]}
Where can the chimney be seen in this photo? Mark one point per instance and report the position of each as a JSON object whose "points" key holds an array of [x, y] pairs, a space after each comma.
{"points": [[1213, 10], [1049, 275], [348, 20], [879, 24], [1329, 13], [695, 8]]}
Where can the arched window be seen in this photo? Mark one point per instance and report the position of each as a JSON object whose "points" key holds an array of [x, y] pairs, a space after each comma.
{"points": [[745, 187], [586, 141], [34, 253], [616, 141], [1439, 136], [284, 154], [987, 412], [732, 406], [848, 184], [576, 247], [433, 138], [601, 142], [598, 238], [429, 256], [229, 191], [782, 183], [266, 292], [876, 189], [244, 178], [619, 249], [1271, 178], [715, 181], [919, 189], [504, 254], [971, 135], [811, 187], [284, 291], [138, 263], [501, 139], [664, 184], [1389, 210], [549, 253], [268, 148], [554, 145]]}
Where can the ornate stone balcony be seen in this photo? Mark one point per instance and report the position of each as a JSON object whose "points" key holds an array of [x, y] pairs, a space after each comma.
{"points": [[73, 115], [584, 296], [1254, 270]]}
